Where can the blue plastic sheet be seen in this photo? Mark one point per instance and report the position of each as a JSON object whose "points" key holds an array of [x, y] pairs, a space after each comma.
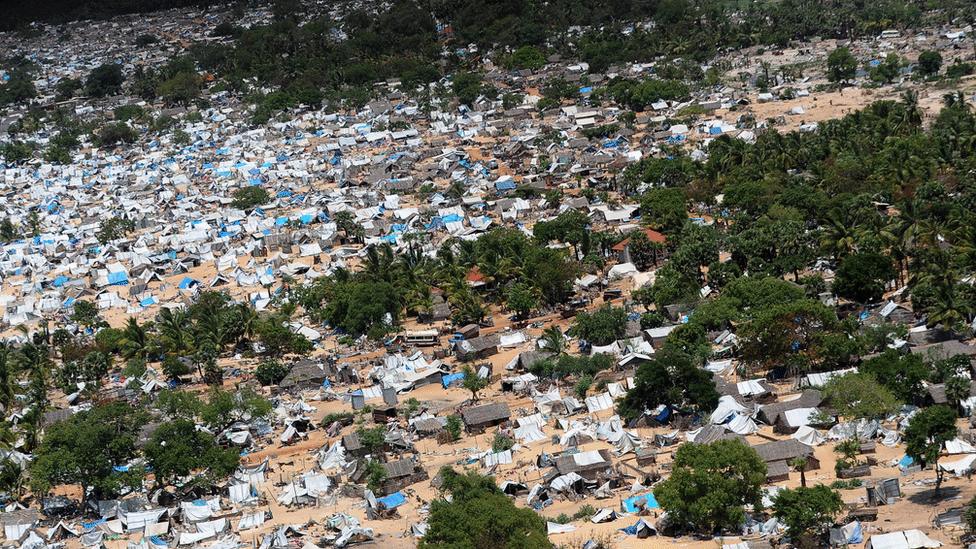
{"points": [[630, 504]]}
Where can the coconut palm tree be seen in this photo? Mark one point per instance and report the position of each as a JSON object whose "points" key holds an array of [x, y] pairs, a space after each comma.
{"points": [[7, 376], [553, 340], [136, 342], [173, 326], [799, 464]]}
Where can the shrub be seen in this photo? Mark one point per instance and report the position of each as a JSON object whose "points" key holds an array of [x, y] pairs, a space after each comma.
{"points": [[270, 372]]}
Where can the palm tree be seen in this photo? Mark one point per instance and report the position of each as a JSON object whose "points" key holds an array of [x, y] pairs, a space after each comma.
{"points": [[247, 318], [379, 263], [948, 309], [839, 237], [799, 464], [174, 332], [553, 340], [136, 342], [7, 376]]}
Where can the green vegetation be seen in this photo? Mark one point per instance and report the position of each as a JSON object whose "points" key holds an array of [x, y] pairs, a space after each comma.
{"points": [[710, 484], [104, 80], [480, 514], [927, 432], [84, 449], [270, 372], [807, 510], [114, 229], [177, 449]]}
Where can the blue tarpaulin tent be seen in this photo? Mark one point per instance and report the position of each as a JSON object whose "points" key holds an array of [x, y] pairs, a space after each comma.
{"points": [[630, 504], [506, 185], [448, 379], [393, 500], [188, 282], [118, 279]]}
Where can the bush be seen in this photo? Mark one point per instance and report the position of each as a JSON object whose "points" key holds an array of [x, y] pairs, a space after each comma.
{"points": [[226, 29], [114, 229], [342, 417], [173, 367], [113, 134], [454, 426], [104, 80], [270, 372], [959, 69], [583, 385], [501, 443], [144, 40], [526, 57], [375, 475], [125, 113], [651, 320], [250, 197], [16, 151], [181, 88]]}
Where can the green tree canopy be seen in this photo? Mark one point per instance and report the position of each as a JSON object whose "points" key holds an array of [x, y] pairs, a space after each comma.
{"points": [[859, 395], [106, 79], [177, 449], [710, 484], [807, 510], [601, 327], [479, 515], [841, 65], [671, 378], [862, 277], [84, 448], [927, 431], [664, 209]]}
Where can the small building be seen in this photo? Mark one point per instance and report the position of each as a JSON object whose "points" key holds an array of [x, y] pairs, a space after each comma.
{"points": [[305, 374], [402, 473], [780, 453], [590, 465], [479, 347], [353, 445], [478, 418], [770, 413], [622, 248]]}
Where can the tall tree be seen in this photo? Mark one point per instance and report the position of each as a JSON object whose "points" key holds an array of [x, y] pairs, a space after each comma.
{"points": [[927, 432]]}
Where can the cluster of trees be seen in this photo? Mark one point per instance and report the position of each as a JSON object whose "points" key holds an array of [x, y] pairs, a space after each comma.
{"points": [[180, 340], [97, 448], [711, 485], [681, 27], [478, 514], [513, 267], [889, 208]]}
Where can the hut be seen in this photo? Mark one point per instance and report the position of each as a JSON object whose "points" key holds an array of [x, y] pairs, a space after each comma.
{"points": [[478, 418]]}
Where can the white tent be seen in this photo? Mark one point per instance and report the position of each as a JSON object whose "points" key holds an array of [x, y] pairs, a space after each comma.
{"points": [[906, 539]]}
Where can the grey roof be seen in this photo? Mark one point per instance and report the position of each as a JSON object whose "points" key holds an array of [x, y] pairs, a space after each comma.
{"points": [[713, 433], [810, 398], [782, 450], [944, 350], [486, 413], [304, 371], [56, 416], [478, 344], [777, 469], [401, 468], [567, 464], [429, 425], [351, 442]]}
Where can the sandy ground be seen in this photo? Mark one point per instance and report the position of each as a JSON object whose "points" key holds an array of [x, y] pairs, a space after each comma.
{"points": [[915, 510]]}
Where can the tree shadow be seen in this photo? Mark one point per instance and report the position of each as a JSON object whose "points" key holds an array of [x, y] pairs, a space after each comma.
{"points": [[927, 497]]}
